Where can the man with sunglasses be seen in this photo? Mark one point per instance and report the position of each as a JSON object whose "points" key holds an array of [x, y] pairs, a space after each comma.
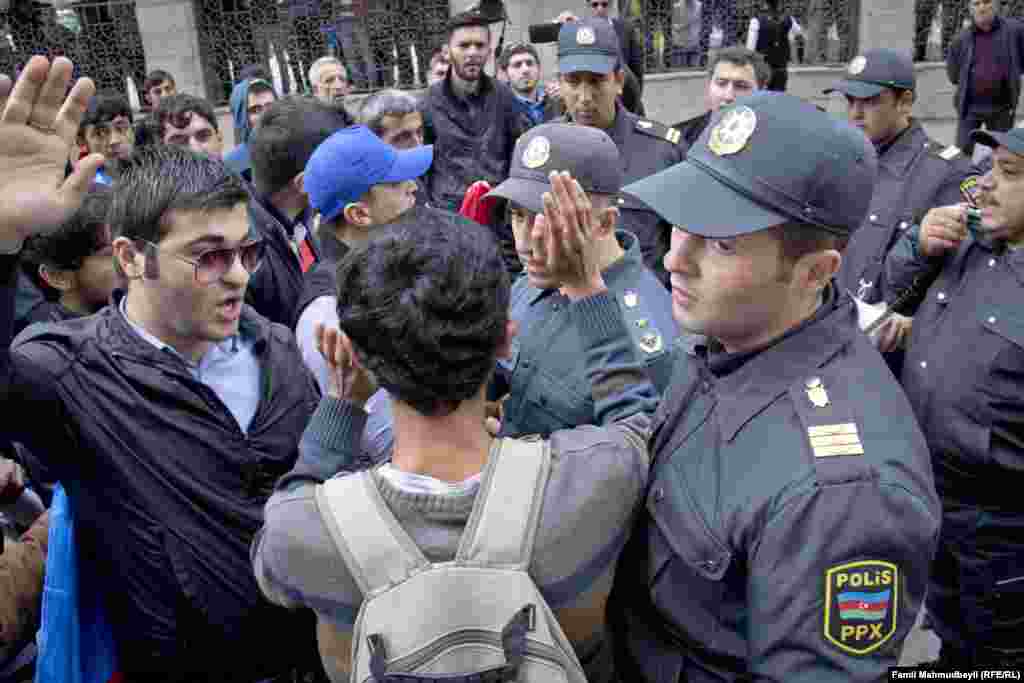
{"points": [[168, 415]]}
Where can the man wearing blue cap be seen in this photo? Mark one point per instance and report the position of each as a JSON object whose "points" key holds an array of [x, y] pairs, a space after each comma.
{"points": [[915, 174], [355, 181], [592, 77], [792, 513], [545, 376], [964, 376]]}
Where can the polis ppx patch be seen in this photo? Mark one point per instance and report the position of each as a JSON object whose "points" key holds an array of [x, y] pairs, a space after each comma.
{"points": [[861, 600]]}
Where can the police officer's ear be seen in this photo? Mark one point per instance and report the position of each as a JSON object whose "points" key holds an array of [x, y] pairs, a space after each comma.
{"points": [[607, 218], [905, 101], [817, 268], [619, 75]]}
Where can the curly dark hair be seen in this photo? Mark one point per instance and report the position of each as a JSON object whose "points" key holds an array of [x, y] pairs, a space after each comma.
{"points": [[425, 304]]}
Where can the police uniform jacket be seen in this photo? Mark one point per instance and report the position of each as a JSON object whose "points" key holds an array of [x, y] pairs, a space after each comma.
{"points": [[546, 374], [964, 376], [645, 147], [790, 520], [690, 129], [915, 174]]}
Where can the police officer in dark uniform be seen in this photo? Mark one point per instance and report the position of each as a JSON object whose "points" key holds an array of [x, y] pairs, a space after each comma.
{"points": [[545, 375], [791, 512], [915, 173], [590, 68], [964, 376]]}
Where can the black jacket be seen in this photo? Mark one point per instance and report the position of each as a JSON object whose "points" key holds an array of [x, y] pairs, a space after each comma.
{"points": [[632, 47], [167, 491], [960, 60], [275, 288], [473, 139]]}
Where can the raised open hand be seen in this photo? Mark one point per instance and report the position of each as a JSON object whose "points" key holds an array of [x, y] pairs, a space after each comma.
{"points": [[346, 378], [568, 229], [38, 126]]}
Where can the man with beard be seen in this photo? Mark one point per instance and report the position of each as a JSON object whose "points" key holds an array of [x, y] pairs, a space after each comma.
{"points": [[472, 120]]}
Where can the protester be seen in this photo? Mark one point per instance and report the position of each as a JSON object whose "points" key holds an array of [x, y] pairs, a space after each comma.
{"points": [[472, 120], [356, 182], [249, 100], [291, 129], [188, 121], [985, 63], [522, 64], [770, 34], [76, 261], [107, 129], [158, 85], [792, 501], [963, 376], [591, 75], [732, 72], [439, 277], [395, 117], [162, 397], [439, 64], [329, 80]]}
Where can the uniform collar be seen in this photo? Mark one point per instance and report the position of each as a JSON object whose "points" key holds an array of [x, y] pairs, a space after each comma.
{"points": [[632, 256], [899, 153], [767, 374]]}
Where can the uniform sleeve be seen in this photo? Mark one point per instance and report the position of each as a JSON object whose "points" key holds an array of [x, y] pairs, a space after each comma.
{"points": [[905, 267], [836, 580]]}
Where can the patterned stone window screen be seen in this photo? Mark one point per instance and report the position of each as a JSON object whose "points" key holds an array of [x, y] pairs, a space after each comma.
{"points": [[679, 33], [937, 23], [102, 38], [384, 43]]}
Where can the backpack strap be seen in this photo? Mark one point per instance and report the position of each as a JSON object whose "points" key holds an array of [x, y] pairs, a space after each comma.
{"points": [[376, 549], [503, 524]]}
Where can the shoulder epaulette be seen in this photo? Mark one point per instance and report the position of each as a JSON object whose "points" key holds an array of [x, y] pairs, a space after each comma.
{"points": [[658, 130]]}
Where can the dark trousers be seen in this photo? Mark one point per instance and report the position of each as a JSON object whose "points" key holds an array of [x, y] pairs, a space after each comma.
{"points": [[976, 593], [779, 78], [998, 120]]}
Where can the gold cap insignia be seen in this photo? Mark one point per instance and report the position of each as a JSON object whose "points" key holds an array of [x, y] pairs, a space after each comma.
{"points": [[585, 36], [732, 132], [537, 152], [857, 65], [651, 342], [816, 392], [631, 299]]}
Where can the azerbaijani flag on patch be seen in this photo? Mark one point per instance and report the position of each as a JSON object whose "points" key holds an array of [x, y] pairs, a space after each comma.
{"points": [[867, 606]]}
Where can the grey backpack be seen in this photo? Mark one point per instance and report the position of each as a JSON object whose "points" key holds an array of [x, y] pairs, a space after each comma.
{"points": [[479, 618]]}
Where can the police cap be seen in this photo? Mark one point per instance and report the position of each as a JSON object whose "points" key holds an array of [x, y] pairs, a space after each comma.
{"points": [[875, 70], [768, 159], [588, 45], [1013, 139], [587, 153]]}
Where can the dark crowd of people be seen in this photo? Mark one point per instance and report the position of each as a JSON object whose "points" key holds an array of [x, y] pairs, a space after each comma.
{"points": [[507, 381]]}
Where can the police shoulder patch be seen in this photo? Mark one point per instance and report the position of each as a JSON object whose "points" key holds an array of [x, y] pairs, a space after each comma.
{"points": [[861, 604]]}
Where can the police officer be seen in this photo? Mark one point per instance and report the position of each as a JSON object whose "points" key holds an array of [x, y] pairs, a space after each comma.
{"points": [[791, 511], [545, 376], [915, 174], [592, 77], [964, 376]]}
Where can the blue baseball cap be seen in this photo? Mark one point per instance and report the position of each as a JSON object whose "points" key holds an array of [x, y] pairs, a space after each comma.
{"points": [[347, 164], [766, 160]]}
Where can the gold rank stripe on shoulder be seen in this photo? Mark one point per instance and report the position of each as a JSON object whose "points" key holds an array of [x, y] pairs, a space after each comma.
{"points": [[673, 136], [835, 439], [950, 153]]}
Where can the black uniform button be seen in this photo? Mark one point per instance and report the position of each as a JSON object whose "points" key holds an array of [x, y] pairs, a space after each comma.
{"points": [[710, 565]]}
